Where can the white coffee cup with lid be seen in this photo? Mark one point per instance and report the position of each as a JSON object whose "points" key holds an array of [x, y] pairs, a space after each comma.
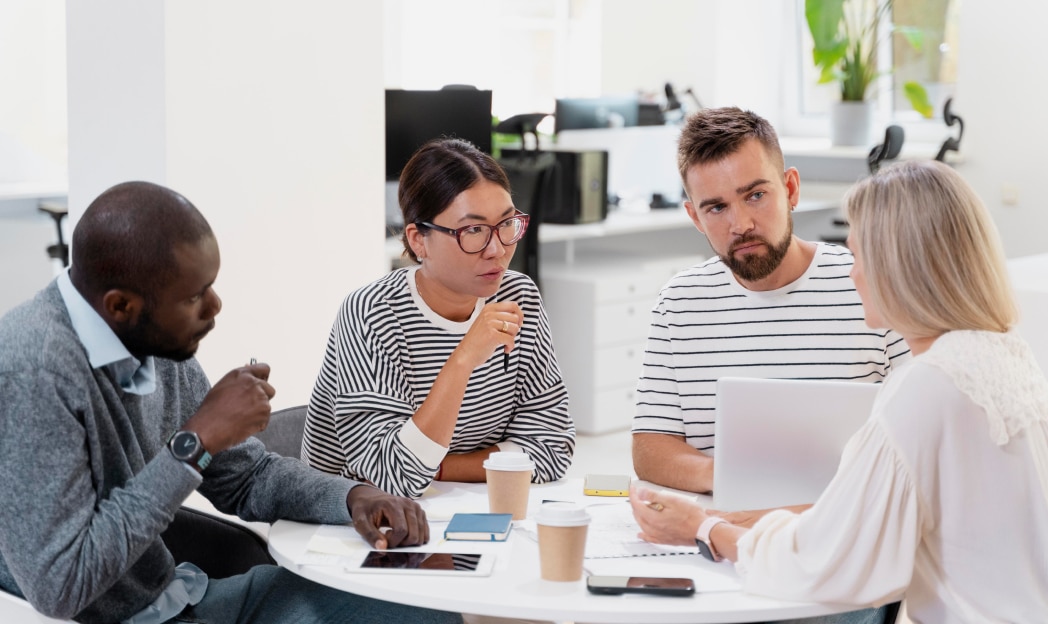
{"points": [[562, 529], [509, 482]]}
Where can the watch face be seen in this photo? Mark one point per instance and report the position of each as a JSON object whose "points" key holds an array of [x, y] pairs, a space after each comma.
{"points": [[184, 444], [704, 550]]}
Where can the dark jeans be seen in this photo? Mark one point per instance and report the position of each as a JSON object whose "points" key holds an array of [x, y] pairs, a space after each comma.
{"points": [[865, 616], [270, 594]]}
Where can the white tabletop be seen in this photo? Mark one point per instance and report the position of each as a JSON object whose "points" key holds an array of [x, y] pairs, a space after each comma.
{"points": [[515, 589]]}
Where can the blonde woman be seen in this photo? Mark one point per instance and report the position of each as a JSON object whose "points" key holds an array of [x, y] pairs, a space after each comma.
{"points": [[943, 496]]}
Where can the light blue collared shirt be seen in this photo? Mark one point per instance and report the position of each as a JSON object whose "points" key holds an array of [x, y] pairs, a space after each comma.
{"points": [[104, 350]]}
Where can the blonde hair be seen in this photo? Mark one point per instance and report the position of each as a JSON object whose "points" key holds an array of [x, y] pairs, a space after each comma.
{"points": [[931, 253]]}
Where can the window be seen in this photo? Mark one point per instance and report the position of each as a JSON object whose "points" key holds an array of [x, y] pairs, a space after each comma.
{"points": [[806, 103]]}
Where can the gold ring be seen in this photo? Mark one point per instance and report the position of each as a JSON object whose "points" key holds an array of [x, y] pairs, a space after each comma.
{"points": [[505, 327]]}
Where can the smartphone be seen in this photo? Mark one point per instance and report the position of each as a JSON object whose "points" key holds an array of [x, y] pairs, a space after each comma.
{"points": [[606, 485], [658, 585], [393, 561]]}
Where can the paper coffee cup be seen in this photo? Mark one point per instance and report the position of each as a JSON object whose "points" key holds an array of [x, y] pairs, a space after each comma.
{"points": [[509, 483], [562, 540]]}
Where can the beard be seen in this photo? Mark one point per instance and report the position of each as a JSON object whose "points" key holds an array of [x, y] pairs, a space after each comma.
{"points": [[755, 266], [147, 338]]}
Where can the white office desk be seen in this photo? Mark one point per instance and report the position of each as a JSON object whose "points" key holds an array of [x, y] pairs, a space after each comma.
{"points": [[516, 590]]}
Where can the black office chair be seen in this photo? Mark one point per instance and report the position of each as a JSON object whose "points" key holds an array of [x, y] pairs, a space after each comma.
{"points": [[951, 143], [283, 435], [532, 176], [889, 149], [217, 546], [57, 210]]}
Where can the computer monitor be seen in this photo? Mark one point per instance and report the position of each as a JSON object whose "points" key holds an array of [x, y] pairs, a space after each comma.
{"points": [[600, 112], [414, 117]]}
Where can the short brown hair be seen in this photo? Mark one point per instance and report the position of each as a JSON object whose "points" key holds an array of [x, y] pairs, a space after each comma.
{"points": [[931, 253], [436, 174], [713, 134]]}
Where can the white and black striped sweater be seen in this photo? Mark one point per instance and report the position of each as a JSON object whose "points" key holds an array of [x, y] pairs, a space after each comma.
{"points": [[384, 352]]}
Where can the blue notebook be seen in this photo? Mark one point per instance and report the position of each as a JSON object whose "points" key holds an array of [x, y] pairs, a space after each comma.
{"points": [[482, 527]]}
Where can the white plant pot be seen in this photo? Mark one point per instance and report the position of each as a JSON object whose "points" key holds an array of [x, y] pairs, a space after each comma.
{"points": [[851, 123]]}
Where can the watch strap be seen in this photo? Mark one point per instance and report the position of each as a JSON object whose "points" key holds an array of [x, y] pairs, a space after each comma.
{"points": [[204, 460], [702, 538]]}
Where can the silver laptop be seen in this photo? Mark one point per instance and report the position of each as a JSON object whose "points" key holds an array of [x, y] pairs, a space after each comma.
{"points": [[779, 441]]}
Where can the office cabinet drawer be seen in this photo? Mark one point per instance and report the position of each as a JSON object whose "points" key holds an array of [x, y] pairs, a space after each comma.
{"points": [[618, 323], [613, 409], [617, 366], [632, 285]]}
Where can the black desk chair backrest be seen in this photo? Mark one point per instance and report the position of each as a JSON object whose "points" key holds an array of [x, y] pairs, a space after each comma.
{"points": [[532, 182], [283, 435], [215, 545], [532, 178], [222, 548]]}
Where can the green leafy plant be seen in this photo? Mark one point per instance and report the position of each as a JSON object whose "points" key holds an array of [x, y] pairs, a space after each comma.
{"points": [[846, 34]]}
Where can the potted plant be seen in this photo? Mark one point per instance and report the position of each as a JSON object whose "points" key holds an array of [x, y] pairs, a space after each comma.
{"points": [[845, 35]]}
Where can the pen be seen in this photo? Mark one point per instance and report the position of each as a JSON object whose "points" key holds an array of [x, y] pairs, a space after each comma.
{"points": [[505, 361]]}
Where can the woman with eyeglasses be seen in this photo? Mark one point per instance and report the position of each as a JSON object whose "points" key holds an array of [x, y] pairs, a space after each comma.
{"points": [[433, 367]]}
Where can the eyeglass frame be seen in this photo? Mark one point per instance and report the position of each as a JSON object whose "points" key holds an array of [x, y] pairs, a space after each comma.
{"points": [[492, 231]]}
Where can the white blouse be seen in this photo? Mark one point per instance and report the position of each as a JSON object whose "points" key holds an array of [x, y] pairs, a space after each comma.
{"points": [[942, 496]]}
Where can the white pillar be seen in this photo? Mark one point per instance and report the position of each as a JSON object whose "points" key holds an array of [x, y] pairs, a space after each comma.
{"points": [[268, 116]]}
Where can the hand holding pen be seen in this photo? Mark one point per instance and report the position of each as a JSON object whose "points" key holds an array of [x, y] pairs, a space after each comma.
{"points": [[495, 327], [236, 407]]}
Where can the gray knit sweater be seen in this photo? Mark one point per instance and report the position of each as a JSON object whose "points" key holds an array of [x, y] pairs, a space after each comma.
{"points": [[86, 481]]}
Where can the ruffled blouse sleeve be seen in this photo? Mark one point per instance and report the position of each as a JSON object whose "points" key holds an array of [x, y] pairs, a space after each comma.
{"points": [[856, 545]]}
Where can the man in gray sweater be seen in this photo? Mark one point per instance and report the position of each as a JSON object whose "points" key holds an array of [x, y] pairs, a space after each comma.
{"points": [[108, 423]]}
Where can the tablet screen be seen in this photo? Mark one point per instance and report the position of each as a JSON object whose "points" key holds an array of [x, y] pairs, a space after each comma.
{"points": [[460, 562]]}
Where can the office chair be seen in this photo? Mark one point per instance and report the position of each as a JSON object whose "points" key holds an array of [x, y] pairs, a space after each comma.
{"points": [[888, 150], [223, 547], [219, 547], [283, 435], [532, 177], [57, 211], [951, 143]]}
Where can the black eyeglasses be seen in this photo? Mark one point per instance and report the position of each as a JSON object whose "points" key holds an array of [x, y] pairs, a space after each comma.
{"points": [[476, 238]]}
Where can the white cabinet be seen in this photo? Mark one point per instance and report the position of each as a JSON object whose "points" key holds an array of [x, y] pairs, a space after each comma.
{"points": [[599, 316]]}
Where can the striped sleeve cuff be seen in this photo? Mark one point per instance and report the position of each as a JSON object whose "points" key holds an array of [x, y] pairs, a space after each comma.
{"points": [[427, 451]]}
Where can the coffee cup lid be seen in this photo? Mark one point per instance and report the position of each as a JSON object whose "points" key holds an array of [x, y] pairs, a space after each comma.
{"points": [[562, 515], [510, 461]]}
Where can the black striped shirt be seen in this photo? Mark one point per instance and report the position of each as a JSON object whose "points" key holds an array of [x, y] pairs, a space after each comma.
{"points": [[384, 353]]}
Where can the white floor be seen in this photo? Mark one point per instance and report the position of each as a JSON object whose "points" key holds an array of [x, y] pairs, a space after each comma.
{"points": [[609, 453]]}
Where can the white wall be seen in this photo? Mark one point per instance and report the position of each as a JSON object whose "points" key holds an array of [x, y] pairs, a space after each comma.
{"points": [[646, 44], [1001, 95], [268, 117], [32, 72]]}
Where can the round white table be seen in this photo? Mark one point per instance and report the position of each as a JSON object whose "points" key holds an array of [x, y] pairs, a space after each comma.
{"points": [[515, 590]]}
